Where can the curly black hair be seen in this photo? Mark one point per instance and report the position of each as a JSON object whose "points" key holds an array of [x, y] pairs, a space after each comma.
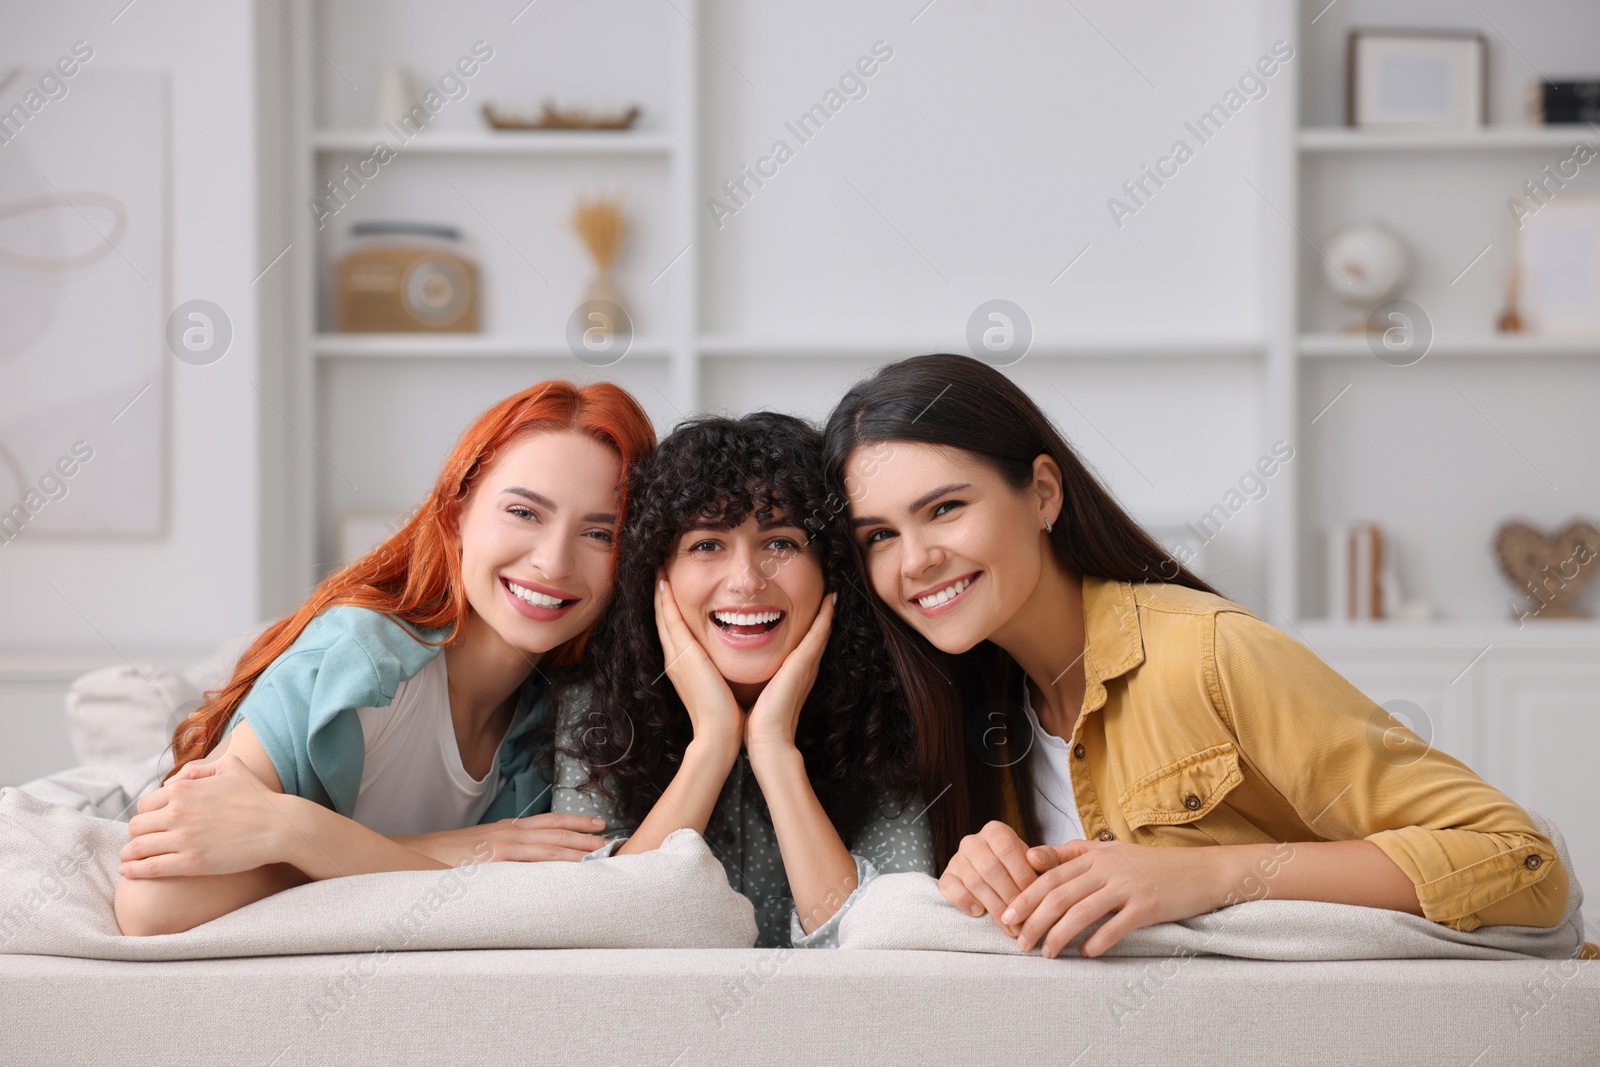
{"points": [[854, 732]]}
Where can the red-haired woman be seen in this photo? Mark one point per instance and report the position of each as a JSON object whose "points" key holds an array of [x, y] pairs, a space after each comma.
{"points": [[381, 725]]}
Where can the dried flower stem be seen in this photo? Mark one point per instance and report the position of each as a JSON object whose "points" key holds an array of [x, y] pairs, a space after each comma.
{"points": [[600, 222]]}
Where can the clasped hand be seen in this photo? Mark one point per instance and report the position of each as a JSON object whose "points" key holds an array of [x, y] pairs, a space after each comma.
{"points": [[1048, 895], [212, 817]]}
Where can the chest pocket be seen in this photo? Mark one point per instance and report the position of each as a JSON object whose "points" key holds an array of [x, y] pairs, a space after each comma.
{"points": [[1181, 803]]}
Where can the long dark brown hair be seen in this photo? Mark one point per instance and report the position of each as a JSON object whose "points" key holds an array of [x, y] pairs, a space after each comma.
{"points": [[858, 742], [958, 402]]}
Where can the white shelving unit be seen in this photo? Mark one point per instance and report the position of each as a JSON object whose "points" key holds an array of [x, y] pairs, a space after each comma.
{"points": [[1484, 426], [1315, 173], [1441, 451], [1446, 193], [511, 191], [335, 380]]}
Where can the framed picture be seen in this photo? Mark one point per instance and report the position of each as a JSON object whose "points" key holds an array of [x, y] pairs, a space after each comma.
{"points": [[1416, 79], [1558, 264], [84, 264]]}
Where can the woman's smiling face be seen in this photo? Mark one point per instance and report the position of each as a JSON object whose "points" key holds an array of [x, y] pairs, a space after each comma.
{"points": [[536, 537], [949, 545], [748, 594]]}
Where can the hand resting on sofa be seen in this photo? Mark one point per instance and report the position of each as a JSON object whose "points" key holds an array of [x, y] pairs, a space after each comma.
{"points": [[907, 911], [58, 874]]}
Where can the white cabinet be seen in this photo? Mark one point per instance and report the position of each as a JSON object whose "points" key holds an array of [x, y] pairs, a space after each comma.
{"points": [[1521, 707], [1543, 741]]}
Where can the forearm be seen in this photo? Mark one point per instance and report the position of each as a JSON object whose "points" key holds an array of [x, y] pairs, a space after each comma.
{"points": [[689, 799], [324, 844], [821, 871], [314, 843], [1335, 872], [148, 906]]}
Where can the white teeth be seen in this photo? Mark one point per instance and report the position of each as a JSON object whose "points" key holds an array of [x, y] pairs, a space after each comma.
{"points": [[538, 600], [731, 618], [948, 593]]}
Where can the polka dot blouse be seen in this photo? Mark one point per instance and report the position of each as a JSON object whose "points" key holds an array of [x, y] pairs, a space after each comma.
{"points": [[741, 836]]}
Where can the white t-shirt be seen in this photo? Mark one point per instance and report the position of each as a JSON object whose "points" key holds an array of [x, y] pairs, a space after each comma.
{"points": [[1049, 765], [412, 780]]}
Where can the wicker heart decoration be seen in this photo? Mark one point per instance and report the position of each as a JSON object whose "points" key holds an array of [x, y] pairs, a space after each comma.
{"points": [[1552, 569]]}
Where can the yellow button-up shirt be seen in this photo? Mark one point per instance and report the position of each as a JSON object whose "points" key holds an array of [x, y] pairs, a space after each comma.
{"points": [[1202, 724]]}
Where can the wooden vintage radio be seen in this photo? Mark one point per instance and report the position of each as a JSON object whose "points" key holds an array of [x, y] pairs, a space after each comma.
{"points": [[405, 276]]}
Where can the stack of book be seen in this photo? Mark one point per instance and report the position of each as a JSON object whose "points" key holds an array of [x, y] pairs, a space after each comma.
{"points": [[1557, 102]]}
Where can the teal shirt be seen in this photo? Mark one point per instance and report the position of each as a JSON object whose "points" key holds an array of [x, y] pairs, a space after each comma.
{"points": [[303, 708]]}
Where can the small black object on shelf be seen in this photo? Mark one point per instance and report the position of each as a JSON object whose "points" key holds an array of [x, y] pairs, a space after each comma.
{"points": [[1574, 101]]}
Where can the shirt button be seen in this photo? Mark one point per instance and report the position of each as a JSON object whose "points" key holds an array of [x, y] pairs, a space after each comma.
{"points": [[1107, 835], [1077, 750], [1191, 802], [1532, 862]]}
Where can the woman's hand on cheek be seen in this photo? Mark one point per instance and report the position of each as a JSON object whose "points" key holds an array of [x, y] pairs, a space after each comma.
{"points": [[776, 715], [1129, 885], [713, 711], [215, 819]]}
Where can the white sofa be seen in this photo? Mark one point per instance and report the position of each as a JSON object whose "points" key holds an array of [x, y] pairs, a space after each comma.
{"points": [[691, 1005], [716, 1006]]}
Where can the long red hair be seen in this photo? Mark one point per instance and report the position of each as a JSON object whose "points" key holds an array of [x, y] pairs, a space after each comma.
{"points": [[415, 575]]}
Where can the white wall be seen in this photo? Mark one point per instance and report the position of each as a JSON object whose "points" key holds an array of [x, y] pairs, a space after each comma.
{"points": [[196, 582], [978, 165], [991, 141]]}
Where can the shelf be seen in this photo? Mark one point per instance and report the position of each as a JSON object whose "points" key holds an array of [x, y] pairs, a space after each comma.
{"points": [[485, 346], [457, 346], [722, 345], [1347, 346], [1316, 345], [1555, 634], [489, 142], [1488, 138]]}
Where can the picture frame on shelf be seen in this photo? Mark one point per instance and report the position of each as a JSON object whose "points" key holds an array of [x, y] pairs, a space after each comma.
{"points": [[1412, 80], [1558, 266]]}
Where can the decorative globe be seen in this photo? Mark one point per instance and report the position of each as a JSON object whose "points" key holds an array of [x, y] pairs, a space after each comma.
{"points": [[1367, 263]]}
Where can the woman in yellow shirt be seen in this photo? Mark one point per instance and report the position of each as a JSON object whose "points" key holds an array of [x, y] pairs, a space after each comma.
{"points": [[1068, 674]]}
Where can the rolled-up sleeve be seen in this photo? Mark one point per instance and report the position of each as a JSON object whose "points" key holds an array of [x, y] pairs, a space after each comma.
{"points": [[1351, 771], [889, 843]]}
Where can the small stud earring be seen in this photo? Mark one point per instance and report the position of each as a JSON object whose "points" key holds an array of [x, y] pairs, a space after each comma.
{"points": [[1047, 526]]}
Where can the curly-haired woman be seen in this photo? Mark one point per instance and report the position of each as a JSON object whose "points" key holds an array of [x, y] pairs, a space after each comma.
{"points": [[740, 686]]}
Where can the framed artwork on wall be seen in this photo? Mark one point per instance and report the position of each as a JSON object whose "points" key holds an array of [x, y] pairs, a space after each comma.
{"points": [[83, 298]]}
